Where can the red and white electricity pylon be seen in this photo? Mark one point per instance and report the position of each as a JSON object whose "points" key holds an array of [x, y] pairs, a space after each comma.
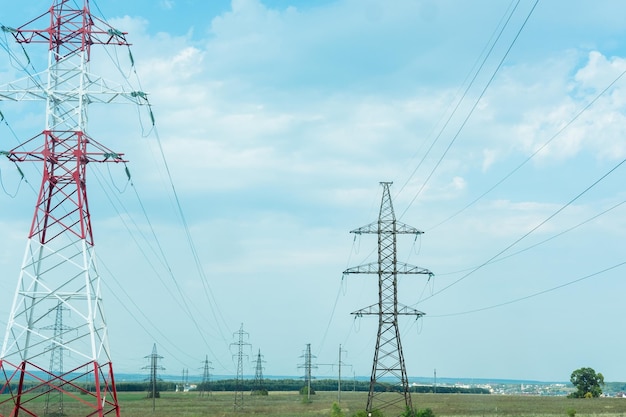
{"points": [[42, 353]]}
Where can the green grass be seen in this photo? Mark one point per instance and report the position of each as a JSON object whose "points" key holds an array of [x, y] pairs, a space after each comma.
{"points": [[290, 404]]}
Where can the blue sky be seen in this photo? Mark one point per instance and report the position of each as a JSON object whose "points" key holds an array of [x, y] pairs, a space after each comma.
{"points": [[278, 119]]}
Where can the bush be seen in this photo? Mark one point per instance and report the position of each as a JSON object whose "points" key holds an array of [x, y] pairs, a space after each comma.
{"points": [[335, 411], [426, 412], [571, 412]]}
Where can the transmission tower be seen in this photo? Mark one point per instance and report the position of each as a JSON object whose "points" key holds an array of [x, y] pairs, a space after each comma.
{"points": [[181, 387], [340, 363], [154, 367], [59, 264], [241, 335], [56, 364], [388, 357], [206, 377], [258, 387], [308, 365]]}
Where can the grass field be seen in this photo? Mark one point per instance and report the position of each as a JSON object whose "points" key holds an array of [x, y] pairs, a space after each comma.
{"points": [[290, 404]]}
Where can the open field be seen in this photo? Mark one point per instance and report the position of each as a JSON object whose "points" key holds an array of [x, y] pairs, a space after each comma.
{"points": [[290, 404]]}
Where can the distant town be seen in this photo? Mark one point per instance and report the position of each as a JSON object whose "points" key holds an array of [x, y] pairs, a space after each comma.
{"points": [[610, 389]]}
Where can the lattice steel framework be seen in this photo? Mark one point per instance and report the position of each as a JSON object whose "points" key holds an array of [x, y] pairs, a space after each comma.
{"points": [[54, 398], [241, 336], [388, 369], [308, 366], [59, 271], [205, 385], [258, 386], [154, 368]]}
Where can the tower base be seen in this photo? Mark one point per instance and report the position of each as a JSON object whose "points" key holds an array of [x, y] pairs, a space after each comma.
{"points": [[88, 390]]}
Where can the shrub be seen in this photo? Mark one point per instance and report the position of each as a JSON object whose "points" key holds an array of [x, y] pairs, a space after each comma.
{"points": [[425, 412], [335, 411]]}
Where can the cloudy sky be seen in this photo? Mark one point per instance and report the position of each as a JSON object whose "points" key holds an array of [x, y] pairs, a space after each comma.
{"points": [[501, 125]]}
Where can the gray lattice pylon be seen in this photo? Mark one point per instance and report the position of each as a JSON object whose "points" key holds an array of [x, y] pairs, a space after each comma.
{"points": [[258, 386], [340, 364], [154, 367], [56, 364], [308, 366], [238, 405], [388, 356], [206, 377]]}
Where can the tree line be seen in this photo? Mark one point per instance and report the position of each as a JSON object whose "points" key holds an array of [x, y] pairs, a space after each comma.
{"points": [[294, 385], [272, 385]]}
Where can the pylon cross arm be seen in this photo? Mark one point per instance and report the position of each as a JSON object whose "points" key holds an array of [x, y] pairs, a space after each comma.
{"points": [[375, 268], [387, 226], [373, 310], [403, 268], [96, 89], [100, 32], [408, 311], [72, 152]]}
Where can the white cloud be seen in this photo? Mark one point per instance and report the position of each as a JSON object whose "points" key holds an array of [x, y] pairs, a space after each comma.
{"points": [[167, 4], [489, 158]]}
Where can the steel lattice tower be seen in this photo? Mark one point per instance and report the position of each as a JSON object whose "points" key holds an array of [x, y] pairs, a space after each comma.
{"points": [[59, 264], [308, 365], [388, 357], [258, 386], [205, 385], [154, 367], [56, 364], [238, 405], [339, 376]]}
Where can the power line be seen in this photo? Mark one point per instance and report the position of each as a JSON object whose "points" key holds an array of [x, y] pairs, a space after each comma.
{"points": [[465, 92], [467, 117], [558, 287], [212, 301], [569, 229], [541, 148], [570, 202], [184, 302]]}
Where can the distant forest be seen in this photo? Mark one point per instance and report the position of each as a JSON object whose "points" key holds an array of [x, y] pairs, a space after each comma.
{"points": [[293, 385]]}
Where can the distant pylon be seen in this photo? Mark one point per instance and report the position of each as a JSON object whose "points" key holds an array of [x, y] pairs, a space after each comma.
{"points": [[154, 367], [240, 355], [59, 263], [184, 385], [340, 363], [55, 408], [258, 386], [388, 356], [308, 366], [205, 385]]}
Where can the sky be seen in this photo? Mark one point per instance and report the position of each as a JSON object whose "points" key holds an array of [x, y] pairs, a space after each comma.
{"points": [[501, 125]]}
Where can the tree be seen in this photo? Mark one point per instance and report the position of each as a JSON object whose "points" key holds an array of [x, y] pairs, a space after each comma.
{"points": [[587, 382], [336, 411]]}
